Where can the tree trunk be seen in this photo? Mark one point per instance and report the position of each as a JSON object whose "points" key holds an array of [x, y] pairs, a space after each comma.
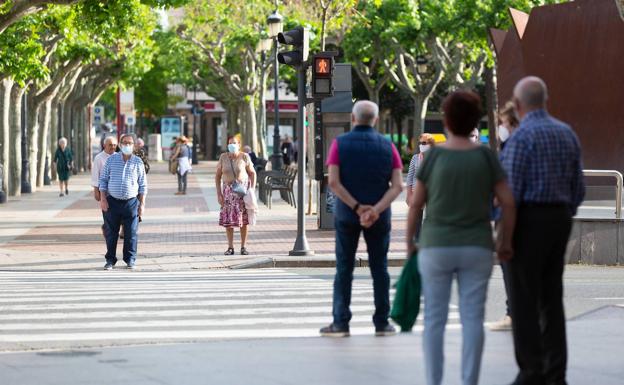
{"points": [[251, 126], [44, 139], [54, 135], [5, 103], [491, 105], [15, 125], [399, 129], [32, 128], [420, 112]]}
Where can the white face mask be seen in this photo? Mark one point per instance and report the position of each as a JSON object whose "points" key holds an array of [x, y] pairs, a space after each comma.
{"points": [[233, 147], [127, 150], [474, 137], [503, 133], [424, 147]]}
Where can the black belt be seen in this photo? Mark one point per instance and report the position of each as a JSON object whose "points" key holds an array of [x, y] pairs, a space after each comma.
{"points": [[121, 200], [543, 205]]}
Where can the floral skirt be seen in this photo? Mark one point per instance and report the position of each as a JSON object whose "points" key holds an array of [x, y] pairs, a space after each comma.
{"points": [[233, 212]]}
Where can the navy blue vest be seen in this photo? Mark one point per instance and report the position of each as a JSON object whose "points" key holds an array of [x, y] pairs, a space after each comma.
{"points": [[365, 169]]}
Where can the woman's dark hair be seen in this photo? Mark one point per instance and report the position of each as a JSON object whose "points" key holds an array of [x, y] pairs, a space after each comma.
{"points": [[462, 111]]}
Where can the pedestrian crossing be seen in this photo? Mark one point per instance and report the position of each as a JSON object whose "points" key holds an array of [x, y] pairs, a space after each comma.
{"points": [[94, 308]]}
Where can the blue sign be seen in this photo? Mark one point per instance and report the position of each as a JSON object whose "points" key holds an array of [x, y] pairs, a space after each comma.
{"points": [[170, 128]]}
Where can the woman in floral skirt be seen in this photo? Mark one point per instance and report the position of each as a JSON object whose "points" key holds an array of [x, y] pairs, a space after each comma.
{"points": [[234, 167]]}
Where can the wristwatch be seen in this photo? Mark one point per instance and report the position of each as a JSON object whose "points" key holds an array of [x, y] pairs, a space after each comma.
{"points": [[356, 207]]}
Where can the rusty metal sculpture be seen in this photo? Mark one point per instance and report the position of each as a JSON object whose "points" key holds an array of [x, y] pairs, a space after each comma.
{"points": [[578, 49]]}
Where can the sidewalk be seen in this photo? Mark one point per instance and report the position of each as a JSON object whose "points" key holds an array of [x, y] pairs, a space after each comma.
{"points": [[43, 231]]}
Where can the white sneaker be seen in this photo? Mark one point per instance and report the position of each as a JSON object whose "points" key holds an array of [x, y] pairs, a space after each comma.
{"points": [[504, 324]]}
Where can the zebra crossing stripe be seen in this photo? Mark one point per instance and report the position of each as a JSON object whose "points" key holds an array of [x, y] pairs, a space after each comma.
{"points": [[136, 307]]}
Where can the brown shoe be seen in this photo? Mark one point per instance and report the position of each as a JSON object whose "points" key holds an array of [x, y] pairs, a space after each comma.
{"points": [[179, 193]]}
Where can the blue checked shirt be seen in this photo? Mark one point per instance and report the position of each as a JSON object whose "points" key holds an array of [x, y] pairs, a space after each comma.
{"points": [[123, 179], [543, 162]]}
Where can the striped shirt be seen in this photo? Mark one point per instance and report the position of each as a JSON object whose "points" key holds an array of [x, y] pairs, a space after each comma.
{"points": [[542, 159], [123, 179], [410, 181]]}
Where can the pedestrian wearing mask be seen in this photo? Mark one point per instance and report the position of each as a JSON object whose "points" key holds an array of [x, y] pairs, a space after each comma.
{"points": [[110, 145], [425, 142], [475, 136], [123, 188], [235, 175], [509, 122]]}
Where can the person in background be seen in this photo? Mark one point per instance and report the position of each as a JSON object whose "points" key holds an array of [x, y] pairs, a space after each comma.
{"points": [[252, 155], [123, 188], [425, 143], [182, 154], [234, 167], [287, 151], [475, 136], [110, 144], [456, 182], [508, 123], [365, 174], [63, 159], [545, 169], [139, 150]]}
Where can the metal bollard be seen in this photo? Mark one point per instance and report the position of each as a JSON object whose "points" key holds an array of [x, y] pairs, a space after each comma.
{"points": [[3, 196]]}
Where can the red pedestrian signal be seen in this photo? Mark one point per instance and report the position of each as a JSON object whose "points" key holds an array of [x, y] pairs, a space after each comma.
{"points": [[322, 72], [322, 66]]}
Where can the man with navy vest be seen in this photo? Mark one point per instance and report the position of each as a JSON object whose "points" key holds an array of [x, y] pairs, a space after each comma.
{"points": [[365, 174]]}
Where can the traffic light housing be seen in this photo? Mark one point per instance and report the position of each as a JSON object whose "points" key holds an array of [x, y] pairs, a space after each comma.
{"points": [[322, 75], [299, 39]]}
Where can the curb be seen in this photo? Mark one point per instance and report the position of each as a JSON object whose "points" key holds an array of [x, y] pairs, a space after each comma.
{"points": [[308, 262]]}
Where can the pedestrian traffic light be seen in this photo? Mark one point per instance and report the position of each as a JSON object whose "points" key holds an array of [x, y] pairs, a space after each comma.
{"points": [[299, 39], [322, 73]]}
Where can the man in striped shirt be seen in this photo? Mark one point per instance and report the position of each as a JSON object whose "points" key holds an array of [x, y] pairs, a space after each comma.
{"points": [[543, 163], [123, 187]]}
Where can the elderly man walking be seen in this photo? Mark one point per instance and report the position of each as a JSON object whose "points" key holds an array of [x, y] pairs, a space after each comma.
{"points": [[123, 187], [543, 163], [109, 145], [365, 174]]}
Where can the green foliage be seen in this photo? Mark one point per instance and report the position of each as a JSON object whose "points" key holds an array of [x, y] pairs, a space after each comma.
{"points": [[22, 52]]}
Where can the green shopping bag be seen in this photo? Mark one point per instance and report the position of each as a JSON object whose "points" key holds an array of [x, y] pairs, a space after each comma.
{"points": [[406, 304]]}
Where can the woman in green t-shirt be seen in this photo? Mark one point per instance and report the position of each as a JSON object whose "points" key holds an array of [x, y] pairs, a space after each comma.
{"points": [[456, 182]]}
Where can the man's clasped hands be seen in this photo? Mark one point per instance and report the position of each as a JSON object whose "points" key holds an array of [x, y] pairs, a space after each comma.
{"points": [[368, 215]]}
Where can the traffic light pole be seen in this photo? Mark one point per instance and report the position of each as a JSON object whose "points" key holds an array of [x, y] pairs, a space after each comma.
{"points": [[301, 248]]}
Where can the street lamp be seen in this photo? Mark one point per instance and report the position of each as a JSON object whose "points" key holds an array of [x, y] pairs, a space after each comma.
{"points": [[276, 25], [422, 65]]}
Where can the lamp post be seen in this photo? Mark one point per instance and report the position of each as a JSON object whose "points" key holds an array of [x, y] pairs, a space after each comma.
{"points": [[422, 65], [276, 25]]}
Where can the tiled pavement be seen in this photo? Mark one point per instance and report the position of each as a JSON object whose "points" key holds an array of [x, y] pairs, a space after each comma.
{"points": [[44, 231]]}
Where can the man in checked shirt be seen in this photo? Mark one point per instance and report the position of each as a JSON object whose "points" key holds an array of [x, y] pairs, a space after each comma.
{"points": [[543, 163], [123, 187]]}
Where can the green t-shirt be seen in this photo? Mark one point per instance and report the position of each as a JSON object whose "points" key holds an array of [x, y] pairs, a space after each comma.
{"points": [[460, 187]]}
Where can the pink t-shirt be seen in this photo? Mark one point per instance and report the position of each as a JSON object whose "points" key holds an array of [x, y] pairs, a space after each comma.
{"points": [[334, 160]]}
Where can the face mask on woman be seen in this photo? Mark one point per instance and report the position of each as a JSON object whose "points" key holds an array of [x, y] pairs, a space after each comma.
{"points": [[503, 133], [127, 150], [424, 147], [233, 147]]}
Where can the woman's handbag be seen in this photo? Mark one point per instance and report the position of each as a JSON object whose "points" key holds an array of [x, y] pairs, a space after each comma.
{"points": [[173, 166], [237, 187]]}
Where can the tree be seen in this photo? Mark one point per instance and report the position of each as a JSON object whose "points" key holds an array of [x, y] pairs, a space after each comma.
{"points": [[226, 34], [365, 48]]}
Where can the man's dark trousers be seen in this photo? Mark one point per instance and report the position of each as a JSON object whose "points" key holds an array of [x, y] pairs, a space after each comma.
{"points": [[535, 275], [121, 212], [377, 239]]}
